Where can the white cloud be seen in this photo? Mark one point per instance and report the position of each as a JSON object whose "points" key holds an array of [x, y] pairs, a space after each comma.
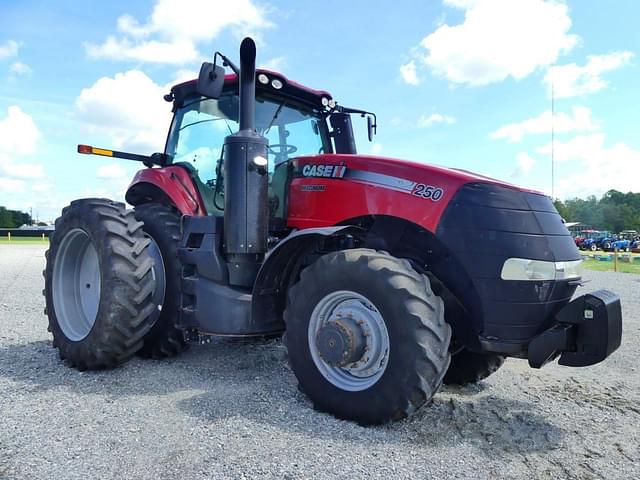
{"points": [[579, 120], [127, 108], [111, 171], [18, 136], [595, 166], [409, 73], [176, 52], [19, 68], [10, 185], [463, 4], [427, 121], [524, 164], [572, 80], [9, 49], [498, 39], [14, 170], [277, 64], [42, 187], [18, 132], [376, 148], [175, 27], [580, 147]]}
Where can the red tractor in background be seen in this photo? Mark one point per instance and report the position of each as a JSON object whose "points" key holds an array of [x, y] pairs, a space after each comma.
{"points": [[386, 277]]}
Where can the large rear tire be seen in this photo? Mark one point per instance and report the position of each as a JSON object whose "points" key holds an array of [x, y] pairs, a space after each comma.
{"points": [[98, 284], [162, 224], [470, 367], [396, 341]]}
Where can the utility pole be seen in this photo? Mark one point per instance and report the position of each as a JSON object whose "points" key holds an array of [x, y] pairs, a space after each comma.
{"points": [[553, 112]]}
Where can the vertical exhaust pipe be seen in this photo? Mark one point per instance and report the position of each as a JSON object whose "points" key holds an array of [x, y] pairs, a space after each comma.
{"points": [[246, 214], [247, 85]]}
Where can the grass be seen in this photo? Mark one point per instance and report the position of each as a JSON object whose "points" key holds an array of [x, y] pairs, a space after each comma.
{"points": [[624, 267], [24, 241]]}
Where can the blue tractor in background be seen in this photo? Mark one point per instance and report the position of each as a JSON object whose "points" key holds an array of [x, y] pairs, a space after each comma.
{"points": [[622, 242], [594, 240]]}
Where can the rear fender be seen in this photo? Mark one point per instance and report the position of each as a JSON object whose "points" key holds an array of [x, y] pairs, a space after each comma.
{"points": [[171, 185]]}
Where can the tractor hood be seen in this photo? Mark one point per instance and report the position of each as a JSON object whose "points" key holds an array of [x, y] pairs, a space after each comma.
{"points": [[358, 185]]}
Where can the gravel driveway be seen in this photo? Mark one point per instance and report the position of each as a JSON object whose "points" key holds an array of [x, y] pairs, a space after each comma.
{"points": [[231, 410]]}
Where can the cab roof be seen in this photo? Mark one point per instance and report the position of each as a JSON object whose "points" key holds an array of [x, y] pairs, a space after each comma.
{"points": [[290, 88]]}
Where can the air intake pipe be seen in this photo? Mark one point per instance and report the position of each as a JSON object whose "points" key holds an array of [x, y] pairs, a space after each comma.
{"points": [[246, 214]]}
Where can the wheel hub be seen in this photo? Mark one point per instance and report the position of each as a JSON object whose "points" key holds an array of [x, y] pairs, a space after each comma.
{"points": [[348, 340], [341, 342]]}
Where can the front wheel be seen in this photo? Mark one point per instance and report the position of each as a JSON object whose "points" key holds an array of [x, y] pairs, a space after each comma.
{"points": [[366, 336], [470, 367]]}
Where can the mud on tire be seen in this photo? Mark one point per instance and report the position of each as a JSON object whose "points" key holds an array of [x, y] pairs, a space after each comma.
{"points": [[414, 318], [98, 284], [470, 367]]}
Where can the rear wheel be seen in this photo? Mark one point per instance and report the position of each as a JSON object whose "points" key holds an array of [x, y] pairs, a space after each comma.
{"points": [[98, 284], [366, 336], [593, 247], [470, 367], [162, 225]]}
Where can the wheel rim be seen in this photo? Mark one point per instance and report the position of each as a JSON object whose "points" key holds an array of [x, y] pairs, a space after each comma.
{"points": [[159, 277], [366, 371], [76, 285]]}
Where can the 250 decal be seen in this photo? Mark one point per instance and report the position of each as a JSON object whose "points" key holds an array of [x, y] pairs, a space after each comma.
{"points": [[428, 192]]}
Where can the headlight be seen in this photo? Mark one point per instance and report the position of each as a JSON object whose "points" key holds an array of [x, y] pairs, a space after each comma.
{"points": [[263, 79], [537, 270], [277, 84]]}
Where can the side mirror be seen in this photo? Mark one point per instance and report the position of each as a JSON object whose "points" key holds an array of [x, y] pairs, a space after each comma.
{"points": [[371, 127], [210, 80]]}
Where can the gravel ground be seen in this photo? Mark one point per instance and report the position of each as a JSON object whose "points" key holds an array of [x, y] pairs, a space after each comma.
{"points": [[232, 410]]}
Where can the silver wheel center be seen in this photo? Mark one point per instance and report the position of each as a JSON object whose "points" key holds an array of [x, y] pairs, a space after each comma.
{"points": [[76, 285], [361, 332]]}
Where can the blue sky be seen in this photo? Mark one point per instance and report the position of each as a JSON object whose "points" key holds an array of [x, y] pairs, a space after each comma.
{"points": [[460, 83]]}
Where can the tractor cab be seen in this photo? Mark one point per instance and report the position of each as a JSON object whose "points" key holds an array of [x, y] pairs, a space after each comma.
{"points": [[295, 120]]}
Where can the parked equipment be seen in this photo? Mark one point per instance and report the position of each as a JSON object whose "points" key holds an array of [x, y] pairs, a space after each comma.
{"points": [[386, 277]]}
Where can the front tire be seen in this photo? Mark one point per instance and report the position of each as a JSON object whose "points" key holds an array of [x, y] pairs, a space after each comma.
{"points": [[98, 284], [470, 367], [396, 341], [162, 224]]}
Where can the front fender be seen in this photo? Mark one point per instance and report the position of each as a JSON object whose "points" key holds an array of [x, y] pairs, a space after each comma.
{"points": [[279, 269], [172, 184]]}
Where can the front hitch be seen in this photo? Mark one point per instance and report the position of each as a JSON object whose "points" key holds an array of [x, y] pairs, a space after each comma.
{"points": [[588, 330]]}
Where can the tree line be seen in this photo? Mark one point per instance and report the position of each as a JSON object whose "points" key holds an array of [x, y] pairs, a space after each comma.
{"points": [[13, 218], [615, 211]]}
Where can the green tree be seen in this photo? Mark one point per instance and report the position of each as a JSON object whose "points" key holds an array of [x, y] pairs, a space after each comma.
{"points": [[13, 218]]}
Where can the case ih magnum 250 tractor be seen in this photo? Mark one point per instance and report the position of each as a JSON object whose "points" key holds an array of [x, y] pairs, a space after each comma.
{"points": [[386, 277]]}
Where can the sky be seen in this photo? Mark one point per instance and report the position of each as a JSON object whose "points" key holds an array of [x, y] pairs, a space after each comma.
{"points": [[460, 83]]}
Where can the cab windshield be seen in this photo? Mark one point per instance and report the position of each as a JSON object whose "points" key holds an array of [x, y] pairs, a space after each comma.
{"points": [[201, 125]]}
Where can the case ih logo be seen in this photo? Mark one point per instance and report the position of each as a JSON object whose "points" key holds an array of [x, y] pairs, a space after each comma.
{"points": [[325, 171]]}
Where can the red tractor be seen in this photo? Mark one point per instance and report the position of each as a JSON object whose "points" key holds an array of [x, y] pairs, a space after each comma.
{"points": [[386, 277]]}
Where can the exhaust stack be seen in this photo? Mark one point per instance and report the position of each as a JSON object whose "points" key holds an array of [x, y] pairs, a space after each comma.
{"points": [[246, 214]]}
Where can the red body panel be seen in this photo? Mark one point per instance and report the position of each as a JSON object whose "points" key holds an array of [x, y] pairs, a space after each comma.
{"points": [[176, 184], [365, 185], [368, 188]]}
